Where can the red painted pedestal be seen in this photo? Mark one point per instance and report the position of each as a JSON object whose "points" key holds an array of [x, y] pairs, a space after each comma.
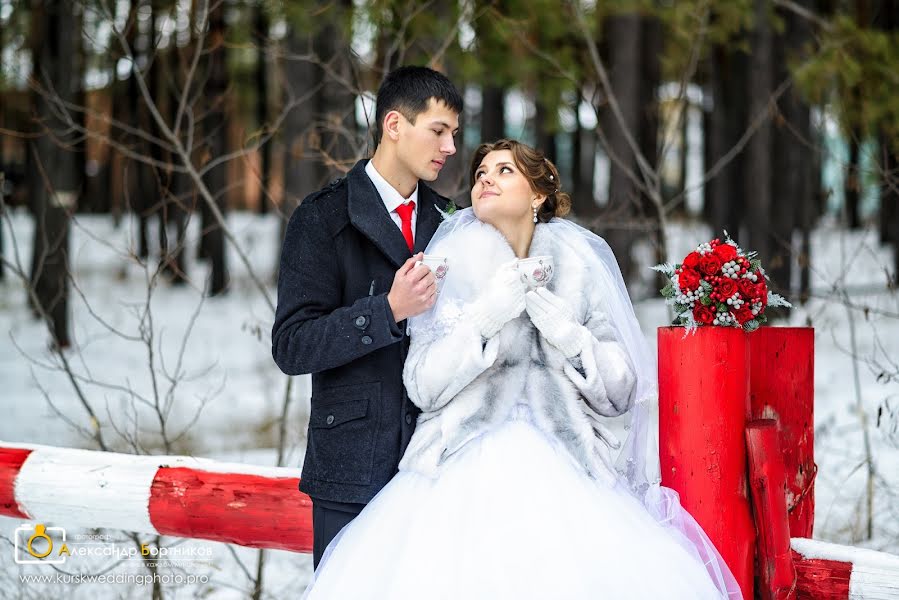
{"points": [[777, 575], [703, 410], [782, 387]]}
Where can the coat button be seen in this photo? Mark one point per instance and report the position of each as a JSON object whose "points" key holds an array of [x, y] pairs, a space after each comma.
{"points": [[330, 420], [366, 339], [361, 321], [408, 419]]}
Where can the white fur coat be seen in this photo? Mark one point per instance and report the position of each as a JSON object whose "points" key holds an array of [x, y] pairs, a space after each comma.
{"points": [[465, 387]]}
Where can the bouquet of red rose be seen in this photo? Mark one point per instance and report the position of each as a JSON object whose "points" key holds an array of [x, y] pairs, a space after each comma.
{"points": [[719, 284]]}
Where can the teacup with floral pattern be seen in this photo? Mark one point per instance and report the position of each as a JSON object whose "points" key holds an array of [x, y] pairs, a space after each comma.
{"points": [[536, 271], [438, 264]]}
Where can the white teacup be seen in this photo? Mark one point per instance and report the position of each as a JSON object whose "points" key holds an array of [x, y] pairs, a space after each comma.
{"points": [[437, 264], [536, 271]]}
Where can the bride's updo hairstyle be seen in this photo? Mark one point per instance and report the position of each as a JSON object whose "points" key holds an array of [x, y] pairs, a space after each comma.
{"points": [[540, 172]]}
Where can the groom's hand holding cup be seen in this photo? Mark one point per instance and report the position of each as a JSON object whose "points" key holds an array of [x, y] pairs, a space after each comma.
{"points": [[413, 291]]}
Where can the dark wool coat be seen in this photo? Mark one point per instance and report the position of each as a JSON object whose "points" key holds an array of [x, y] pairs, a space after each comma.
{"points": [[338, 260]]}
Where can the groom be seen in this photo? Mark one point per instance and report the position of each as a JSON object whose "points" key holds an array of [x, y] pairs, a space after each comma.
{"points": [[347, 284]]}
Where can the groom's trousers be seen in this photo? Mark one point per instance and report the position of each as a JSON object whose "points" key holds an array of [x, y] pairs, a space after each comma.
{"points": [[328, 518]]}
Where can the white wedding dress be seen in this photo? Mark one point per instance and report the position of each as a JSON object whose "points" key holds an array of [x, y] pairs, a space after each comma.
{"points": [[510, 516], [506, 490]]}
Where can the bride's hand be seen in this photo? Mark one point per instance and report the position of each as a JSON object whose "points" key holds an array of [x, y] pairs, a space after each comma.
{"points": [[502, 301], [553, 317]]}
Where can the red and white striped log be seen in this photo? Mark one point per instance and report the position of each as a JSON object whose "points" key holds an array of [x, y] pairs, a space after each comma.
{"points": [[833, 572], [253, 506]]}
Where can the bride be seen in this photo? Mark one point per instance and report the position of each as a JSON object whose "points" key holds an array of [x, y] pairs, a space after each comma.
{"points": [[508, 488]]}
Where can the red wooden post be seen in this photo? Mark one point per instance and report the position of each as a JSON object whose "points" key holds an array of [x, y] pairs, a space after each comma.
{"points": [[777, 577], [781, 384], [703, 410]]}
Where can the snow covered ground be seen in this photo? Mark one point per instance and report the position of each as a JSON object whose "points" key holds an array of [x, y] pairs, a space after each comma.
{"points": [[227, 393]]}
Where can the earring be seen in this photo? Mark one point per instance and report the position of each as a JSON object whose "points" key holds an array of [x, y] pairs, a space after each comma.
{"points": [[535, 214]]}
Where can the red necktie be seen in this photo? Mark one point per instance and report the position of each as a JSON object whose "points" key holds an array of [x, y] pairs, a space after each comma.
{"points": [[405, 213]]}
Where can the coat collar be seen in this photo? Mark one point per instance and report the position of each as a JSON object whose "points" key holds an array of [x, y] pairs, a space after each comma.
{"points": [[368, 214], [541, 242], [478, 249]]}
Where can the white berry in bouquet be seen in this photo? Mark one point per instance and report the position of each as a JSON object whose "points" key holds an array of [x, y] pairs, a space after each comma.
{"points": [[719, 284]]}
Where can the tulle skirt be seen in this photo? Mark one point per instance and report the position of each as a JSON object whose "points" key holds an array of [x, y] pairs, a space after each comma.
{"points": [[512, 516]]}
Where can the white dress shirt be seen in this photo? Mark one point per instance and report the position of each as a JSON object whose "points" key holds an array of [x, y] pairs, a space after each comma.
{"points": [[391, 197]]}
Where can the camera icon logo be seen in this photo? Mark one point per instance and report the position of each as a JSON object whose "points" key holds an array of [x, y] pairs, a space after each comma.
{"points": [[33, 545]]}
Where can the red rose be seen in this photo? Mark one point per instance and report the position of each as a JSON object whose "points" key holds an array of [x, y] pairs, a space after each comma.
{"points": [[762, 293], [726, 287], [710, 264], [688, 280], [743, 314], [692, 260], [703, 314], [747, 288], [725, 252], [761, 290]]}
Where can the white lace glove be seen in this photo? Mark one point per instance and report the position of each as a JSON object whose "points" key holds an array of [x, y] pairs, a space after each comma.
{"points": [[554, 319], [502, 301]]}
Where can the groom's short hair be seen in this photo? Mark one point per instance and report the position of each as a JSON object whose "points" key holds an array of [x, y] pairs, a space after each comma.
{"points": [[408, 89]]}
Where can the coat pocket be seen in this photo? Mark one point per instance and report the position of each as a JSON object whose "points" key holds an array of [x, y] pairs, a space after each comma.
{"points": [[342, 433]]}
